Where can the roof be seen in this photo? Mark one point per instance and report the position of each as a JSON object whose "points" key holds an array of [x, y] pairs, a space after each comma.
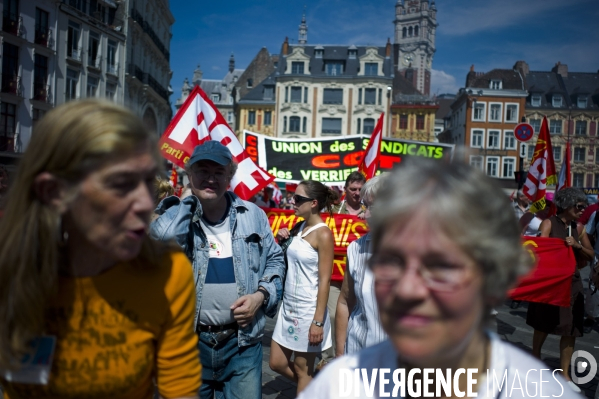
{"points": [[444, 107], [256, 95], [571, 86], [511, 79], [336, 53]]}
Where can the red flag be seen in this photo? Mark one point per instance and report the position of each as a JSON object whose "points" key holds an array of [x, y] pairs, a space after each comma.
{"points": [[564, 174], [541, 171], [174, 177], [370, 161], [197, 121], [551, 280]]}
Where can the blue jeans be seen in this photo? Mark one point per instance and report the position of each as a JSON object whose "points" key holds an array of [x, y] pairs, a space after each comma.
{"points": [[229, 371]]}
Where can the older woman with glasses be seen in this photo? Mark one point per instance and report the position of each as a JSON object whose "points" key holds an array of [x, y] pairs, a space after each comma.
{"points": [[564, 321], [444, 253]]}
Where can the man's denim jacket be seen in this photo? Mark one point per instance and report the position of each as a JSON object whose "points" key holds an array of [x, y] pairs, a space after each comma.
{"points": [[257, 259]]}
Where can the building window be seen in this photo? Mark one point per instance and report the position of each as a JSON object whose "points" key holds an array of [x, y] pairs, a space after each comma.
{"points": [[496, 85], [556, 101], [495, 113], [511, 113], [8, 126], [380, 96], [267, 118], [582, 103], [404, 32], [557, 153], [10, 21], [10, 68], [509, 141], [493, 166], [478, 114], [111, 59], [476, 162], [555, 126], [477, 138], [535, 100], [334, 68], [332, 96], [304, 124], [229, 116], [371, 69], [509, 165], [215, 98], [493, 139], [252, 118], [578, 180], [92, 50], [40, 76], [531, 151], [269, 92], [536, 125], [331, 125], [42, 28], [284, 123], [250, 83], [359, 125], [73, 34], [296, 94], [370, 96], [403, 121], [579, 154], [294, 124], [71, 84], [368, 125], [318, 53], [36, 116], [305, 94], [92, 86], [110, 91], [581, 128], [419, 122], [297, 68], [352, 54]]}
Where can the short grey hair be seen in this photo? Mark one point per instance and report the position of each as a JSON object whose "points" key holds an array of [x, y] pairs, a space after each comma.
{"points": [[371, 188], [468, 206], [569, 197]]}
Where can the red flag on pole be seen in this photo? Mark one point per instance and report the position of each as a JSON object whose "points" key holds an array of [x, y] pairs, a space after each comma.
{"points": [[541, 171], [564, 174], [370, 161], [198, 121]]}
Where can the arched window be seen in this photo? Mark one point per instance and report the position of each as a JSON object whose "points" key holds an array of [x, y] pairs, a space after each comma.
{"points": [[404, 32], [410, 31], [284, 123], [416, 31], [294, 124], [304, 123]]}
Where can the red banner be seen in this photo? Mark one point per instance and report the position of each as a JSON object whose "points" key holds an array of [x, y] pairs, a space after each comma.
{"points": [[345, 229], [551, 280]]}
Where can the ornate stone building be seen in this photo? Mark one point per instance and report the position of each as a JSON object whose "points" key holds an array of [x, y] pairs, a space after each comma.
{"points": [[414, 44]]}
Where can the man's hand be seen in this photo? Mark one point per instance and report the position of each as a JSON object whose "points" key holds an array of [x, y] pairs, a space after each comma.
{"points": [[245, 308]]}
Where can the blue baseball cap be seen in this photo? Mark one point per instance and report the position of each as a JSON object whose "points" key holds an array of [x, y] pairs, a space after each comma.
{"points": [[211, 150]]}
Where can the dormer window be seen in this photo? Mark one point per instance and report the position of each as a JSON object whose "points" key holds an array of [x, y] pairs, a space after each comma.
{"points": [[318, 53], [215, 98], [371, 69], [556, 101], [352, 54], [582, 102], [535, 100], [269, 92], [496, 85], [297, 68], [250, 83], [334, 68]]}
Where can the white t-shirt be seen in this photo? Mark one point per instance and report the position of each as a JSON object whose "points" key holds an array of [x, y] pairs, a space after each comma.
{"points": [[523, 374]]}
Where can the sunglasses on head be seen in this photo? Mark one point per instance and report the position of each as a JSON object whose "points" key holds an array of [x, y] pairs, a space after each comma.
{"points": [[300, 198]]}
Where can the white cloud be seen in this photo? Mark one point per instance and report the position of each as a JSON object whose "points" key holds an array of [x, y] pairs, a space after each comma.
{"points": [[442, 82]]}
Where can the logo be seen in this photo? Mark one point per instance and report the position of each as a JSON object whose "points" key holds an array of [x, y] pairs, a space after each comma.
{"points": [[582, 362]]}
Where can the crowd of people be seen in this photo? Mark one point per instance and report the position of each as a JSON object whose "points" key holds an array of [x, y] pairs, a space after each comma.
{"points": [[112, 287]]}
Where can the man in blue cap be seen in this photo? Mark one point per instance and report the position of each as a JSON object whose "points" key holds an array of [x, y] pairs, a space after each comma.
{"points": [[238, 268]]}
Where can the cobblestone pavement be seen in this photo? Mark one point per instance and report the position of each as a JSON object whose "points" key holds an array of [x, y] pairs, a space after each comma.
{"points": [[509, 323]]}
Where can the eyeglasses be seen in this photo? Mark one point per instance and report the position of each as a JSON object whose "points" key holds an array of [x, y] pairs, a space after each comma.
{"points": [[206, 175], [581, 207], [298, 199], [437, 275]]}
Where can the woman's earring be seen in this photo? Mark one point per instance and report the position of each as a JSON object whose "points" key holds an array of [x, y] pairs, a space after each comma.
{"points": [[63, 234]]}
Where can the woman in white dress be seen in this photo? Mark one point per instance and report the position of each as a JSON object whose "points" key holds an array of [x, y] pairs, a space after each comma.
{"points": [[303, 326]]}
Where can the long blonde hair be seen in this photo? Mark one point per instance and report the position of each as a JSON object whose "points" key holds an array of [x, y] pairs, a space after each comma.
{"points": [[69, 142]]}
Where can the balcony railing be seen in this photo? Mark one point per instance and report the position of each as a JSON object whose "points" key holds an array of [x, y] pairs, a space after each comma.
{"points": [[44, 37], [145, 26], [9, 140], [41, 92], [12, 23], [112, 69], [148, 79], [94, 62], [11, 84]]}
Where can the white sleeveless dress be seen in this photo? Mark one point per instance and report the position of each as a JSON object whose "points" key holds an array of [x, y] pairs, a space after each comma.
{"points": [[299, 298]]}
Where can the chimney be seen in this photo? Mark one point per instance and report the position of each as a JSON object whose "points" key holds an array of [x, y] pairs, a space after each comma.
{"points": [[197, 76], [523, 67], [388, 48], [231, 63], [470, 76], [285, 46], [561, 69]]}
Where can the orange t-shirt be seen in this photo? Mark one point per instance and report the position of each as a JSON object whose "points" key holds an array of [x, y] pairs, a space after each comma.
{"points": [[118, 331]]}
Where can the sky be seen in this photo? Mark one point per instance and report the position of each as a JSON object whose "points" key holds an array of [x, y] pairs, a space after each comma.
{"points": [[488, 34]]}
